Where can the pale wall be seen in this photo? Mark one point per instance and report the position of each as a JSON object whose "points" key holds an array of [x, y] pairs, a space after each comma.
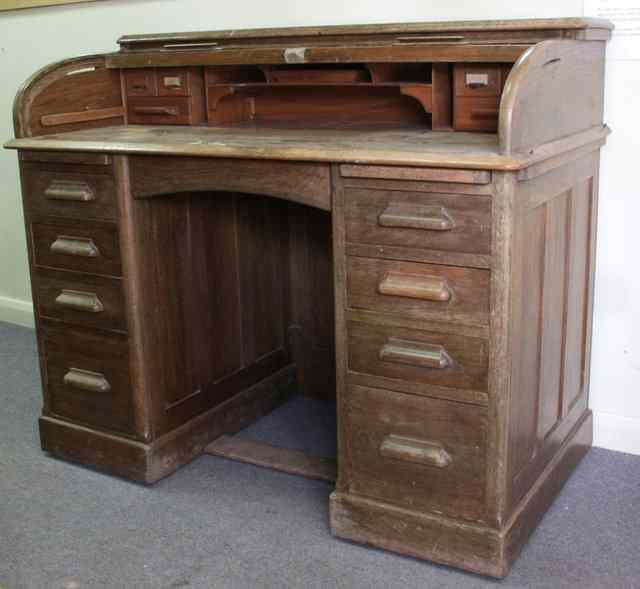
{"points": [[30, 39]]}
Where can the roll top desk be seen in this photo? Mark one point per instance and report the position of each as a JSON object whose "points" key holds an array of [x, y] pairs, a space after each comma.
{"points": [[398, 217]]}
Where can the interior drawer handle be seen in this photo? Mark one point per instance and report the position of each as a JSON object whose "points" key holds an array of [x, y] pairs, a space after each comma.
{"points": [[415, 354], [484, 114], [171, 111], [414, 450], [419, 217], [427, 288], [79, 300], [70, 190], [87, 380], [75, 246]]}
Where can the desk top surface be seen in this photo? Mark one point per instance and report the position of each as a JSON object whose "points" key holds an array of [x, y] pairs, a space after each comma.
{"points": [[408, 146]]}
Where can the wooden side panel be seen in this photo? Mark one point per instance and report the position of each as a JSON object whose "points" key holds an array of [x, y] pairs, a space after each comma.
{"points": [[555, 89], [312, 309], [78, 93], [551, 317]]}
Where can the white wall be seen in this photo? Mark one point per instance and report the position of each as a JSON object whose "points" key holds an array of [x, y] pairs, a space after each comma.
{"points": [[30, 39]]}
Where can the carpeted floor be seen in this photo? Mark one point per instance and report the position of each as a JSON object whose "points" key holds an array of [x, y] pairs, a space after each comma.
{"points": [[222, 524]]}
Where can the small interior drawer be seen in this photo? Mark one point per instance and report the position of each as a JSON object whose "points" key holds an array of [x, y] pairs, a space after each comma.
{"points": [[163, 110], [87, 377], [80, 192], [87, 246], [416, 452], [476, 113], [178, 81], [88, 300], [418, 291], [448, 222], [417, 356], [140, 82], [477, 79]]}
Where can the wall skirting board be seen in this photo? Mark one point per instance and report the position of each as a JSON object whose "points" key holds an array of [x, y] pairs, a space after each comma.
{"points": [[612, 432], [16, 311]]}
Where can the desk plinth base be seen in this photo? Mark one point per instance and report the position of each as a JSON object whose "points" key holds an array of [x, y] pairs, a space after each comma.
{"points": [[149, 462], [473, 547]]}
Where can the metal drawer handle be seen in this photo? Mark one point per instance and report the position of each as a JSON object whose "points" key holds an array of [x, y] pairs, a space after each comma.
{"points": [[79, 300], [156, 110], [426, 288], [76, 190], [75, 246], [87, 380], [418, 217], [415, 354], [414, 450]]}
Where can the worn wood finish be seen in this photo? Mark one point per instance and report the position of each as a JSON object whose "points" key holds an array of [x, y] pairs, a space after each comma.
{"points": [[68, 87], [457, 489], [409, 294], [299, 182], [447, 222], [402, 354], [61, 190], [283, 459], [82, 246], [530, 117], [316, 224]]}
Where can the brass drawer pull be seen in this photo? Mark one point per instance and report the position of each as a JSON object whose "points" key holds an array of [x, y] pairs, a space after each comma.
{"points": [[413, 450], [415, 354], [87, 380], [418, 217], [81, 301], [156, 110], [75, 246], [75, 190], [427, 288]]}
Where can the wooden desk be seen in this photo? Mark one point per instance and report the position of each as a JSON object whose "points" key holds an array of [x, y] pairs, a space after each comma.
{"points": [[400, 217]]}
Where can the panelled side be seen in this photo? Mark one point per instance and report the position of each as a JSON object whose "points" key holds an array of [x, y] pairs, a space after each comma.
{"points": [[552, 280]]}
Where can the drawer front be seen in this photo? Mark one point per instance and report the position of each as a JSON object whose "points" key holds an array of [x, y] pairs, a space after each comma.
{"points": [[68, 191], [476, 114], [478, 79], [140, 82], [419, 291], [448, 222], [415, 452], [166, 110], [418, 356], [87, 247], [87, 377], [92, 301]]}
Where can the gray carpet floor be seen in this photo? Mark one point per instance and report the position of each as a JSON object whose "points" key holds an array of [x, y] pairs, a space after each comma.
{"points": [[223, 524]]}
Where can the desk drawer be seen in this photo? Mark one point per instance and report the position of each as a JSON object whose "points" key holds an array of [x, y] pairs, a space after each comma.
{"points": [[87, 377], [476, 114], [165, 110], [419, 291], [84, 247], [449, 222], [421, 357], [478, 79], [68, 191], [91, 301], [416, 452]]}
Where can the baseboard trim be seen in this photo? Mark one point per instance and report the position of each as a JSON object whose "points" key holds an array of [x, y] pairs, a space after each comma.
{"points": [[16, 311], [615, 432]]}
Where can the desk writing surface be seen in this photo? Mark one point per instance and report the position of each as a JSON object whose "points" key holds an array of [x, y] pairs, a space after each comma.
{"points": [[405, 146]]}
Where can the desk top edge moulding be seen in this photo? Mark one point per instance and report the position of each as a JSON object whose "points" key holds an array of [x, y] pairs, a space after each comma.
{"points": [[397, 218]]}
